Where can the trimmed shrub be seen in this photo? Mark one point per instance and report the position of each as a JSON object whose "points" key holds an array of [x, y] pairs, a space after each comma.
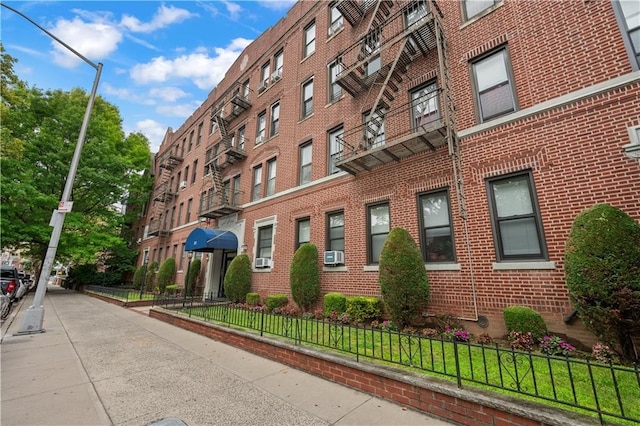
{"points": [[237, 281], [275, 301], [138, 276], [304, 276], [150, 278], [363, 308], [443, 321], [253, 299], [334, 302], [403, 278], [523, 319], [602, 269], [171, 290], [166, 273], [194, 276]]}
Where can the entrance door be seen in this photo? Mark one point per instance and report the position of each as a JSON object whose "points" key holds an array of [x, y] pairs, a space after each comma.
{"points": [[227, 257]]}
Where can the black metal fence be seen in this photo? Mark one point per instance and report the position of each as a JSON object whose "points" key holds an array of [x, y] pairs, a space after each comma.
{"points": [[610, 391], [123, 294]]}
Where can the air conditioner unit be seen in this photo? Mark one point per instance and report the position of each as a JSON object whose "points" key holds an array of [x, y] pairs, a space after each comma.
{"points": [[334, 257], [277, 75], [337, 26], [183, 184], [259, 139], [263, 262], [263, 86]]}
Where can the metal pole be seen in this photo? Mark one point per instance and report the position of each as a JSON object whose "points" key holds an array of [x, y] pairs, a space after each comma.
{"points": [[186, 279]]}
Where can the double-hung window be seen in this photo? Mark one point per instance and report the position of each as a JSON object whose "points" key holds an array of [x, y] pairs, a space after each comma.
{"points": [[473, 8], [335, 90], [199, 139], [265, 242], [241, 132], [378, 227], [256, 192], [194, 172], [189, 206], [303, 231], [235, 199], [336, 21], [307, 99], [305, 163], [275, 119], [309, 39], [424, 105], [335, 149], [372, 50], [495, 94], [264, 77], [374, 128], [435, 221], [415, 12], [271, 177], [515, 217], [628, 14], [278, 62], [335, 231], [190, 141], [261, 128]]}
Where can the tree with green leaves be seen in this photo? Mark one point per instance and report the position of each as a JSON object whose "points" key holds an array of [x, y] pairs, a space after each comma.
{"points": [[237, 280], [402, 277], [602, 268], [38, 136], [194, 276], [166, 273], [304, 276]]}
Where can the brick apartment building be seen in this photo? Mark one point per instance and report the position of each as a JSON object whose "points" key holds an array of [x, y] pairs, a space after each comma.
{"points": [[482, 127]]}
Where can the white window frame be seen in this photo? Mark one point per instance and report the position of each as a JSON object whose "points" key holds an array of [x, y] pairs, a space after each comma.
{"points": [[271, 177], [304, 166], [307, 99], [256, 184], [491, 85], [309, 39]]}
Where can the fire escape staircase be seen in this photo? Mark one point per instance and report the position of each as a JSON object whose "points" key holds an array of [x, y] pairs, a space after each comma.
{"points": [[214, 196], [398, 41], [163, 193]]}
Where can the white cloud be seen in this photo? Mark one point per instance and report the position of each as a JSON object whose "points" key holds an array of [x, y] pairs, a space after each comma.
{"points": [[153, 130], [94, 40], [179, 110], [234, 9], [165, 16], [126, 94], [277, 4], [168, 93], [205, 71]]}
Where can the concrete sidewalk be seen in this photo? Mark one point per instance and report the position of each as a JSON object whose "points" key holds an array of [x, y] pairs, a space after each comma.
{"points": [[100, 364]]}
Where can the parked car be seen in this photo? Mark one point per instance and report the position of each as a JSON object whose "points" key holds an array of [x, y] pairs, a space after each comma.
{"points": [[10, 283]]}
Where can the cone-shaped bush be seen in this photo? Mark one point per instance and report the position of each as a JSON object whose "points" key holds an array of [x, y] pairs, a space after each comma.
{"points": [[138, 277], [150, 277], [165, 274], [602, 268], [237, 281], [194, 275], [403, 278], [304, 276]]}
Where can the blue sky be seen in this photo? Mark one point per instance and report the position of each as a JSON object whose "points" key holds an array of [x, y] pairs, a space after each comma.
{"points": [[160, 59]]}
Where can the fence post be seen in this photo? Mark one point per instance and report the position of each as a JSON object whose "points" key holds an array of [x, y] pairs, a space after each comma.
{"points": [[455, 354], [261, 322]]}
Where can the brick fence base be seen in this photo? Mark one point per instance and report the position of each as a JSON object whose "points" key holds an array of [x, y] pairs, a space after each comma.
{"points": [[430, 395]]}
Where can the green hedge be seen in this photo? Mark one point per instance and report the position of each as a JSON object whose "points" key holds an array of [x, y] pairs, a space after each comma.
{"points": [[334, 302], [276, 301], [524, 319], [363, 308], [253, 299]]}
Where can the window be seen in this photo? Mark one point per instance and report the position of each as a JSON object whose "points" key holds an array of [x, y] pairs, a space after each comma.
{"points": [[335, 91], [336, 21], [181, 258], [628, 15], [517, 226], [472, 8], [305, 164], [415, 12], [424, 106], [175, 251], [275, 119], [494, 86], [160, 255], [190, 141], [265, 241], [256, 192], [435, 222], [278, 62], [184, 143], [179, 222], [271, 177], [309, 39], [236, 191], [335, 231], [241, 138], [371, 50], [199, 139], [179, 182], [226, 187], [189, 205], [261, 128], [307, 98], [173, 215], [335, 149], [303, 231], [374, 129], [378, 226], [195, 171], [186, 174], [264, 77]]}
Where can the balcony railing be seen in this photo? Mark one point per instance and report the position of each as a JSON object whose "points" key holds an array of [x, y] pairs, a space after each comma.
{"points": [[163, 193], [158, 228], [216, 204]]}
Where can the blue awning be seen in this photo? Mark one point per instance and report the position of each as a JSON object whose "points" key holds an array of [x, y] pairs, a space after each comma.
{"points": [[207, 240]]}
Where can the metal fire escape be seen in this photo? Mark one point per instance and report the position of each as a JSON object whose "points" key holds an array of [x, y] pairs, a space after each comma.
{"points": [[215, 199], [397, 33], [163, 193]]}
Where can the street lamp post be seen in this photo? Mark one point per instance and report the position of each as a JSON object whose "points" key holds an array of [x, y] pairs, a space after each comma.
{"points": [[34, 315], [186, 279]]}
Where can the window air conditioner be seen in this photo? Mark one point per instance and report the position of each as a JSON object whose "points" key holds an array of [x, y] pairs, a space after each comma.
{"points": [[183, 184], [334, 257], [335, 27], [277, 75], [263, 86], [263, 262], [259, 139]]}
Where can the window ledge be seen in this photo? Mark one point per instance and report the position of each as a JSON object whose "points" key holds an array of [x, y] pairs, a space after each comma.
{"points": [[335, 269], [481, 14], [523, 265], [303, 119], [261, 270], [443, 266], [371, 268]]}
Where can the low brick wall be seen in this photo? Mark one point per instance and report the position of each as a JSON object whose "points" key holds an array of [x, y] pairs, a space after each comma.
{"points": [[427, 394], [114, 301]]}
